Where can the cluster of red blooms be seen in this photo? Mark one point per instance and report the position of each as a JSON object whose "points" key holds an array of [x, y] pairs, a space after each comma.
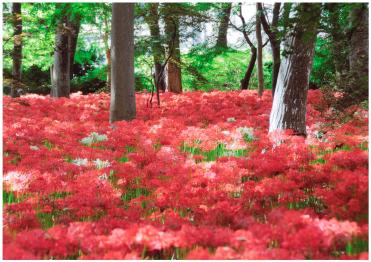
{"points": [[197, 178]]}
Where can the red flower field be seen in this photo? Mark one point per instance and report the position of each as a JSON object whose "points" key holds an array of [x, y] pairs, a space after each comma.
{"points": [[197, 178]]}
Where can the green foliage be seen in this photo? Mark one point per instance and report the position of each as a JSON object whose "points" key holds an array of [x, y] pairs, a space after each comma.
{"points": [[221, 70], [203, 68], [323, 68]]}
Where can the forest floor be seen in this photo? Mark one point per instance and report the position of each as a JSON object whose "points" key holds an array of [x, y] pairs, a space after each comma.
{"points": [[197, 178]]}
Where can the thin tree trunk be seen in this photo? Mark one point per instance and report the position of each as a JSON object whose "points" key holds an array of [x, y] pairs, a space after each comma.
{"points": [[246, 80], [260, 53], [222, 41], [122, 105], [108, 50], [276, 50], [289, 103], [61, 67], [271, 31], [17, 50], [108, 58], [158, 52], [74, 27], [174, 78]]}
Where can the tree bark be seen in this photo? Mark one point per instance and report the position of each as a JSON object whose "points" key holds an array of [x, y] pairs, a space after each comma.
{"points": [[222, 41], [246, 80], [260, 53], [158, 52], [289, 103], [122, 105], [17, 50], [174, 78], [358, 56], [61, 68], [271, 31], [74, 27]]}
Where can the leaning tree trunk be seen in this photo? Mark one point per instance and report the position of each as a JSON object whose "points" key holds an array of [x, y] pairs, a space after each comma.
{"points": [[174, 78], [158, 52], [246, 80], [17, 50], [74, 27], [289, 103], [122, 58], [60, 72], [260, 53], [223, 26]]}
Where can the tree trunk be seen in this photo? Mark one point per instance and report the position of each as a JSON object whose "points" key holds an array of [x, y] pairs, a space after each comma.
{"points": [[74, 27], [357, 88], [271, 31], [158, 53], [122, 57], [246, 80], [289, 103], [223, 26], [17, 50], [174, 78], [260, 53], [107, 48], [61, 68], [276, 50], [108, 58]]}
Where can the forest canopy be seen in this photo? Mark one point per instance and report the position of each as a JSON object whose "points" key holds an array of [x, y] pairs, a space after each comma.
{"points": [[205, 65]]}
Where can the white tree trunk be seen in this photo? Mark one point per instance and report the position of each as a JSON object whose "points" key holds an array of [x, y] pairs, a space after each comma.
{"points": [[290, 98]]}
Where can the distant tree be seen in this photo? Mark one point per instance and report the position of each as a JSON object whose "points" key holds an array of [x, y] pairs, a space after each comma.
{"points": [[223, 25], [356, 89], [17, 49], [74, 24], [152, 18], [260, 51], [289, 103], [246, 31], [60, 71], [272, 32], [122, 105], [171, 18]]}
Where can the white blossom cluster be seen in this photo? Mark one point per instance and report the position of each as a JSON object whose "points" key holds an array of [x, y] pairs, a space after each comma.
{"points": [[93, 138]]}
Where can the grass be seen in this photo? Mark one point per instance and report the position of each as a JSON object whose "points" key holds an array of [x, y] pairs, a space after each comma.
{"points": [[48, 144], [58, 195], [356, 246], [212, 155], [320, 161], [128, 150], [311, 201], [47, 220], [10, 198], [132, 193]]}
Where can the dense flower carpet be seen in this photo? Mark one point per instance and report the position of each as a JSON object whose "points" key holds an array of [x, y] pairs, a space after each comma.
{"points": [[196, 178]]}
